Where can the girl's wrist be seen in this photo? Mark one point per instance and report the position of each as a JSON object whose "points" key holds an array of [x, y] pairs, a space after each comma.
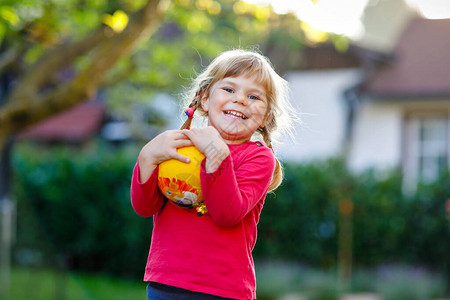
{"points": [[146, 160], [146, 168], [214, 158]]}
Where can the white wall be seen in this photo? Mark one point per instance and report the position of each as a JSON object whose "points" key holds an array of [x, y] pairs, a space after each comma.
{"points": [[317, 96], [377, 136]]}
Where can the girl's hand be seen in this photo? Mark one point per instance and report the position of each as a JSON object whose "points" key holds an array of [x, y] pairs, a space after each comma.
{"points": [[210, 143], [163, 147]]}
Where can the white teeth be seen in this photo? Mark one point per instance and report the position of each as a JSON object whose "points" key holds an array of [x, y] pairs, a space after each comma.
{"points": [[236, 114]]}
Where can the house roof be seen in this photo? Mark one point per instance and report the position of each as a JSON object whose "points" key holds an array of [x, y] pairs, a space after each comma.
{"points": [[74, 125], [325, 56], [421, 64]]}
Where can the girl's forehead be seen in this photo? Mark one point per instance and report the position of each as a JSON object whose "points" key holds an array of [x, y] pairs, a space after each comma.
{"points": [[251, 79]]}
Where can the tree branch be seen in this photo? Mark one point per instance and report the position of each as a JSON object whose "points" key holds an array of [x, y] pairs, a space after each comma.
{"points": [[124, 74], [56, 59], [23, 109], [143, 24], [8, 58]]}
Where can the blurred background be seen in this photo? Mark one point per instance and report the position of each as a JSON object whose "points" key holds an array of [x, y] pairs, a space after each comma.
{"points": [[364, 210]]}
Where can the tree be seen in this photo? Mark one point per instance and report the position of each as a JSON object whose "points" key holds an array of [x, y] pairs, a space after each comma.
{"points": [[55, 54], [192, 33], [38, 93], [38, 41], [33, 91]]}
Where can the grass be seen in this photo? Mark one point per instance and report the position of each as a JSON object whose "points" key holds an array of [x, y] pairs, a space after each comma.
{"points": [[409, 283], [274, 280], [38, 284], [390, 282]]}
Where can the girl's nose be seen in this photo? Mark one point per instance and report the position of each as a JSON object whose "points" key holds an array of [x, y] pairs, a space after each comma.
{"points": [[240, 98]]}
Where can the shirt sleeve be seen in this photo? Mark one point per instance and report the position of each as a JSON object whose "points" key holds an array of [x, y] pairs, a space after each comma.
{"points": [[146, 198], [232, 191]]}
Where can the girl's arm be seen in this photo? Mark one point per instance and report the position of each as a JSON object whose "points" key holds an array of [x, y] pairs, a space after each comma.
{"points": [[145, 196], [231, 192], [210, 143], [163, 147]]}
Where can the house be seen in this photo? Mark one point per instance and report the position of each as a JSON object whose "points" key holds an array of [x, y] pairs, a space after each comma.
{"points": [[81, 124], [403, 116], [317, 93], [74, 126], [393, 111]]}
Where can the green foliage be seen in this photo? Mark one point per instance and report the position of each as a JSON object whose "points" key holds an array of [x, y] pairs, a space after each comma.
{"points": [[390, 226], [283, 280], [57, 284], [276, 278], [363, 281], [75, 204], [379, 218], [48, 22], [406, 283], [322, 287], [300, 220], [191, 34]]}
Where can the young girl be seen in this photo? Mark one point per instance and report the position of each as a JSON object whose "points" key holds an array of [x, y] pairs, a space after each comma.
{"points": [[210, 256]]}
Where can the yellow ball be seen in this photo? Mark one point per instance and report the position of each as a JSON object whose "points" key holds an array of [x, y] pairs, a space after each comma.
{"points": [[180, 182]]}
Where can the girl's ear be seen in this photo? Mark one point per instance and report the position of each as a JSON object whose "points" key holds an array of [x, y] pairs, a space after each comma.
{"points": [[267, 119], [205, 103]]}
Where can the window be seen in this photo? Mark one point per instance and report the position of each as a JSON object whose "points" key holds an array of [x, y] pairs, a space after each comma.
{"points": [[426, 148]]}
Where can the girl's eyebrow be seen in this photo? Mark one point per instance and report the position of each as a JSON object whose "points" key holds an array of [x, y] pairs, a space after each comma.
{"points": [[228, 80], [254, 89]]}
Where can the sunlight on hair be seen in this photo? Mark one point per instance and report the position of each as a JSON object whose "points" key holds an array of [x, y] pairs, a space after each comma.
{"points": [[237, 62]]}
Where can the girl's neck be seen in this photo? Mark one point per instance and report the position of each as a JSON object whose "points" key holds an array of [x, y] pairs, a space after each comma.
{"points": [[236, 142]]}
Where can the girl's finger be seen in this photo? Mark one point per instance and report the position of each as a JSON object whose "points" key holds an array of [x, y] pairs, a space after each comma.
{"points": [[180, 136], [187, 133], [181, 158], [182, 143]]}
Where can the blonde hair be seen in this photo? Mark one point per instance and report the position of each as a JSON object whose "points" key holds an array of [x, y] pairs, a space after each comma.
{"points": [[279, 115]]}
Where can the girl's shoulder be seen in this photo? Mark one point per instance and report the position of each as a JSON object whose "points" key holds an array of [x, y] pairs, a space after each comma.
{"points": [[258, 146], [251, 149], [250, 145], [257, 143]]}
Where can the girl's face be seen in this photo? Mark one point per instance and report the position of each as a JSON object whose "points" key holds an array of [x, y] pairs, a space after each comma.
{"points": [[236, 107]]}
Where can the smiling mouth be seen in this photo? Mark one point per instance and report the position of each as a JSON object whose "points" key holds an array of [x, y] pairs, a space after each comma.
{"points": [[235, 114]]}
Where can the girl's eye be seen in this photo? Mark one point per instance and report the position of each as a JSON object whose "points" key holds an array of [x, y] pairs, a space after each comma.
{"points": [[228, 90], [253, 97]]}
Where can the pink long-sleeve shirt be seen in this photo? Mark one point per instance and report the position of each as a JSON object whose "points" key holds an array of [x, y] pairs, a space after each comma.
{"points": [[213, 253]]}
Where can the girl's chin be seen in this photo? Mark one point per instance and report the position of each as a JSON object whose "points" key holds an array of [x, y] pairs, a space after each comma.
{"points": [[231, 136]]}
